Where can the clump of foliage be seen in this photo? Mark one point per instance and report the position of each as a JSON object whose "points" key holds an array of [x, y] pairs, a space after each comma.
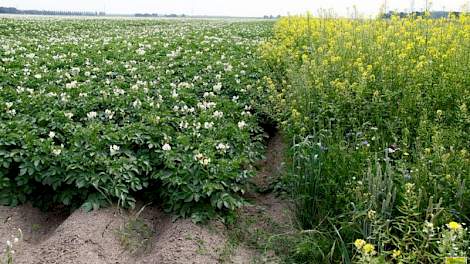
{"points": [[377, 113], [101, 111]]}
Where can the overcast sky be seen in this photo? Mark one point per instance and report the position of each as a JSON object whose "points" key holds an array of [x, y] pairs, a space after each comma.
{"points": [[230, 7]]}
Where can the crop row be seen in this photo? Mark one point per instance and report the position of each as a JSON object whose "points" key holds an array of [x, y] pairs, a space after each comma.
{"points": [[98, 111]]}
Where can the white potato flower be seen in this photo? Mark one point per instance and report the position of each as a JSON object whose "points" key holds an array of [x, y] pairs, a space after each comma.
{"points": [[205, 161], [222, 147], [57, 151], [137, 103], [109, 114], [118, 91], [228, 67], [92, 115], [64, 97], [218, 114], [141, 51], [166, 147], [75, 71], [184, 125], [71, 85], [208, 94], [198, 157], [206, 105], [20, 89], [68, 115], [208, 125], [114, 149], [217, 87]]}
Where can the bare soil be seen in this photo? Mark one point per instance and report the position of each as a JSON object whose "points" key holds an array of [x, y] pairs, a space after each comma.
{"points": [[92, 237]]}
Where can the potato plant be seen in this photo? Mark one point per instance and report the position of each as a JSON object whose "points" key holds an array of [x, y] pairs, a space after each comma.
{"points": [[98, 111]]}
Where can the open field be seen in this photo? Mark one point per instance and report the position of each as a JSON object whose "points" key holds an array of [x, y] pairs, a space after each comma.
{"points": [[305, 140]]}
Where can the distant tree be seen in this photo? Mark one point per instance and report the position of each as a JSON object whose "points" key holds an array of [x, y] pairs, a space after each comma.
{"points": [[433, 14], [12, 10], [9, 10]]}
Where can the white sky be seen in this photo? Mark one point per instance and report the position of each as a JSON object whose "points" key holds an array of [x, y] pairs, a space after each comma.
{"points": [[231, 7]]}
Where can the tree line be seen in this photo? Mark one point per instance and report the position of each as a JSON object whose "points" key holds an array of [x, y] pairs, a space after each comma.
{"points": [[12, 10], [432, 14]]}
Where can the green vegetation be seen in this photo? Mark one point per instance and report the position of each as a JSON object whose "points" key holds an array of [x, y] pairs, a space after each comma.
{"points": [[101, 111], [377, 111]]}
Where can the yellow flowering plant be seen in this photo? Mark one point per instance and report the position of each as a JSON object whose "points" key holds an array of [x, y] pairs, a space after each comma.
{"points": [[366, 253], [377, 113], [454, 240]]}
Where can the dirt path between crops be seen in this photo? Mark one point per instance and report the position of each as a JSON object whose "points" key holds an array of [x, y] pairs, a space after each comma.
{"points": [[94, 238]]}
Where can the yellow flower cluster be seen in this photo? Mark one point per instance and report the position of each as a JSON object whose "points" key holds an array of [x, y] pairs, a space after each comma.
{"points": [[454, 226], [396, 253], [364, 247], [353, 57], [359, 243]]}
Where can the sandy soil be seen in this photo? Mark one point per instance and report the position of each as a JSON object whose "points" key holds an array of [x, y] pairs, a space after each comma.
{"points": [[92, 238]]}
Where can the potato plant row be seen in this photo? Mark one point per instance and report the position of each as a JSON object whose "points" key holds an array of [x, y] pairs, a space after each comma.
{"points": [[100, 111]]}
